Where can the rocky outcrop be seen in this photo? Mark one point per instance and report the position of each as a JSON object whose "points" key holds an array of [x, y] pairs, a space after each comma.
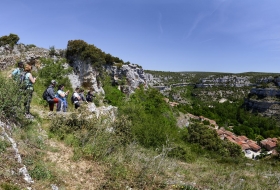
{"points": [[265, 108], [265, 92], [129, 77], [230, 80], [84, 75], [264, 101], [20, 52]]}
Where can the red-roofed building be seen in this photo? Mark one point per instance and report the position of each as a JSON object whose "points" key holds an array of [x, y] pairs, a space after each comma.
{"points": [[253, 145], [245, 146], [229, 138], [269, 143], [243, 138]]}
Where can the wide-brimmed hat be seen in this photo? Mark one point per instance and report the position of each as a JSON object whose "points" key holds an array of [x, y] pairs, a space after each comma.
{"points": [[53, 81]]}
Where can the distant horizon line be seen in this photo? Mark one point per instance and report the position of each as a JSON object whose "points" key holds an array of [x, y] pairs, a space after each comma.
{"points": [[213, 72]]}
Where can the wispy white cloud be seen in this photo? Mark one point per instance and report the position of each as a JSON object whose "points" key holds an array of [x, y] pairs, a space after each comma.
{"points": [[159, 23], [201, 16], [198, 19], [204, 41]]}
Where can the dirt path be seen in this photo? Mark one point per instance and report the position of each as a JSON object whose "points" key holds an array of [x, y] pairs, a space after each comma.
{"points": [[83, 174]]}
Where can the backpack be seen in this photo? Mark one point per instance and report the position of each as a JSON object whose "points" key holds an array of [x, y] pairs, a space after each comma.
{"points": [[16, 74], [22, 77], [73, 98], [45, 94], [89, 97]]}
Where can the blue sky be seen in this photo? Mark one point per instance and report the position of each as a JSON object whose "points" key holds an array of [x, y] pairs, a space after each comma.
{"points": [[167, 35]]}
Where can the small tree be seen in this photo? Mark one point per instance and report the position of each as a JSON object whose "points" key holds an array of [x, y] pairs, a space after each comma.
{"points": [[12, 39]]}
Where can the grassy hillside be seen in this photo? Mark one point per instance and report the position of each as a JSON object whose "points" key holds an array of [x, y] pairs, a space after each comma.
{"points": [[145, 149]]}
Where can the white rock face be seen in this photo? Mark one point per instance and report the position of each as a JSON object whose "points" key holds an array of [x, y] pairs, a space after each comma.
{"points": [[84, 75], [108, 111], [23, 170], [131, 75], [9, 56]]}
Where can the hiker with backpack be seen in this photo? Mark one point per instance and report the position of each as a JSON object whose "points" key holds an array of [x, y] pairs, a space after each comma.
{"points": [[27, 84], [16, 72], [62, 96], [49, 96]]}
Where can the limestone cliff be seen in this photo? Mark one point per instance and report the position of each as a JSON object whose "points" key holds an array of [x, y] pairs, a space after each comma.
{"points": [[128, 77], [264, 101]]}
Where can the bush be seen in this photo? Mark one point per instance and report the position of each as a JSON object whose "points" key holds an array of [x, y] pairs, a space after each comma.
{"points": [[40, 172], [91, 137], [209, 140], [12, 39], [3, 145], [29, 46], [152, 120], [55, 71], [11, 100], [8, 186], [89, 53]]}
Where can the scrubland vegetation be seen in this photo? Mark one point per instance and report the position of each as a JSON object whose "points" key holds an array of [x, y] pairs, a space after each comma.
{"points": [[142, 149]]}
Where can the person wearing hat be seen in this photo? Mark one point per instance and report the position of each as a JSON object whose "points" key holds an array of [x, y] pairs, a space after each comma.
{"points": [[51, 99]]}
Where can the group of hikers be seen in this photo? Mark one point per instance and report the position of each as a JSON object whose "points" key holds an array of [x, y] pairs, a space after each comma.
{"points": [[22, 74]]}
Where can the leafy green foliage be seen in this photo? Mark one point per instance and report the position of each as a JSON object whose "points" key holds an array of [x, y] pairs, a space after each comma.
{"points": [[12, 39], [209, 139], [29, 46], [52, 70], [231, 114], [90, 53], [3, 145], [8, 186], [40, 172], [152, 119], [113, 95], [52, 51], [91, 137], [11, 98], [55, 71]]}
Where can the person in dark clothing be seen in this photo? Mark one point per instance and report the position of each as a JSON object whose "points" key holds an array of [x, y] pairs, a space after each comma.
{"points": [[90, 95], [51, 99]]}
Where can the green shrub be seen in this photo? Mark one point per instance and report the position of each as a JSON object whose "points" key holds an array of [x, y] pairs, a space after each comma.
{"points": [[208, 139], [113, 95], [90, 53], [8, 186], [3, 145], [91, 137], [55, 71], [152, 120], [12, 39], [41, 172], [29, 46], [11, 98]]}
